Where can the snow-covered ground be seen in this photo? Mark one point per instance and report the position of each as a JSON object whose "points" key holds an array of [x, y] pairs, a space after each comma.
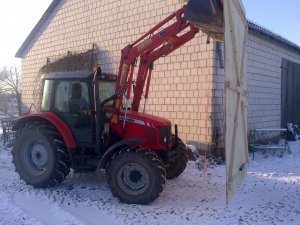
{"points": [[269, 195]]}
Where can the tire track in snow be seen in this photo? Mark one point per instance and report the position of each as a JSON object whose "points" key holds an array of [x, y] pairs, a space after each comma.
{"points": [[49, 212], [45, 211], [91, 215], [10, 214]]}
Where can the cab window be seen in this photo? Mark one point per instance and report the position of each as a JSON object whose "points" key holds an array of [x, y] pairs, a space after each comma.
{"points": [[47, 95], [106, 89], [70, 95]]}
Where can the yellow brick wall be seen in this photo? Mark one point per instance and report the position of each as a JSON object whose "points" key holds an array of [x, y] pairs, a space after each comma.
{"points": [[182, 83]]}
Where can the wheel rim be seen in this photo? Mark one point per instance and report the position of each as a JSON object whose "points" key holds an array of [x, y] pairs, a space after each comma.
{"points": [[35, 157], [133, 178]]}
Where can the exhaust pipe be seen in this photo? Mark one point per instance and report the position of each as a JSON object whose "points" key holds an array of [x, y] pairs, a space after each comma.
{"points": [[207, 15]]}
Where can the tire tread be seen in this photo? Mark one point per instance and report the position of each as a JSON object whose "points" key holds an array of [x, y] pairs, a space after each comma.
{"points": [[62, 162], [154, 162]]}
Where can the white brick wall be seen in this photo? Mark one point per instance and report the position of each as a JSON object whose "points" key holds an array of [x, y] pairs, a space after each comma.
{"points": [[181, 87], [187, 87]]}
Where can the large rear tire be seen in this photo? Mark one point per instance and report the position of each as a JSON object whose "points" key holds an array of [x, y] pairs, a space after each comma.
{"points": [[40, 156], [136, 176], [176, 166]]}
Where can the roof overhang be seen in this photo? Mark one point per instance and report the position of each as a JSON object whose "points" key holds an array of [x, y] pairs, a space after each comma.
{"points": [[264, 31], [21, 52]]}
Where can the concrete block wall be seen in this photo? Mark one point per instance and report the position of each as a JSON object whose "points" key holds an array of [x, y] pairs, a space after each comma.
{"points": [[264, 56], [263, 67], [181, 88]]}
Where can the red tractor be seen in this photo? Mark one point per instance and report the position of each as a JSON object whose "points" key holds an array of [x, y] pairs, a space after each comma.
{"points": [[84, 125]]}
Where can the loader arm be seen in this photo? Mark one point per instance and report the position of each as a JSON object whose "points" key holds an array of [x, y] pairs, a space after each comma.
{"points": [[147, 59], [168, 35], [155, 38]]}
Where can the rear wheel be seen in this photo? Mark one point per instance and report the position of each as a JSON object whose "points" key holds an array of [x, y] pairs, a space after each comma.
{"points": [[40, 156], [176, 166], [136, 176]]}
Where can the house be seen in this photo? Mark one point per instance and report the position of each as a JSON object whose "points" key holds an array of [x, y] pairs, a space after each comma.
{"points": [[187, 86]]}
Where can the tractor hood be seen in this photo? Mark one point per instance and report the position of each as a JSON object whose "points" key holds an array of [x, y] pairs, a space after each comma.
{"points": [[207, 15], [144, 119]]}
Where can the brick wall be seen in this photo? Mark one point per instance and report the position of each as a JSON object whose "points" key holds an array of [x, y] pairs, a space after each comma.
{"points": [[263, 67], [264, 57], [181, 88], [186, 87]]}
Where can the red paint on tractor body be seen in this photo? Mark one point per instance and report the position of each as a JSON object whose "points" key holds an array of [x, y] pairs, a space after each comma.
{"points": [[142, 126], [60, 125]]}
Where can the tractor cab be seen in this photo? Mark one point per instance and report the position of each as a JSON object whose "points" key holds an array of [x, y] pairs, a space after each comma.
{"points": [[71, 96]]}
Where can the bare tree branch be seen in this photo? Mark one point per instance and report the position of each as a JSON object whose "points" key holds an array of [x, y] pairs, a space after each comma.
{"points": [[10, 84]]}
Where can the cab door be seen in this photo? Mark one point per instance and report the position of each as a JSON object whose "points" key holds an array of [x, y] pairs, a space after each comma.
{"points": [[74, 107]]}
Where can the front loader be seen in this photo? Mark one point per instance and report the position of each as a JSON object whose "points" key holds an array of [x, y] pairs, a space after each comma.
{"points": [[85, 122]]}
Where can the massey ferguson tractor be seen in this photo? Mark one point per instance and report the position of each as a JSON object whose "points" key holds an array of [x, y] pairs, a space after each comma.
{"points": [[85, 122]]}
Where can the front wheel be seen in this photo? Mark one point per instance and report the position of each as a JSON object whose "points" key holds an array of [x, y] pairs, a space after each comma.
{"points": [[136, 176], [176, 166]]}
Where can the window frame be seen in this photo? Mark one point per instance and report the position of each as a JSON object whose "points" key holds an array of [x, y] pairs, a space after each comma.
{"points": [[50, 107]]}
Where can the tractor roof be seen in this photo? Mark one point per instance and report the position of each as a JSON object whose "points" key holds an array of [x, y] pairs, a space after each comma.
{"points": [[78, 75], [73, 75]]}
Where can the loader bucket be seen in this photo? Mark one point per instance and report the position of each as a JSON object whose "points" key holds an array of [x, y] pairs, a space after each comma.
{"points": [[207, 15]]}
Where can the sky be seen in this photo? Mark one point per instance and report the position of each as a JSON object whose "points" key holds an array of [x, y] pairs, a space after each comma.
{"points": [[280, 16], [18, 17]]}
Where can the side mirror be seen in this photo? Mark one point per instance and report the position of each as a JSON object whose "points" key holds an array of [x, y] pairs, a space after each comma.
{"points": [[116, 95], [97, 70]]}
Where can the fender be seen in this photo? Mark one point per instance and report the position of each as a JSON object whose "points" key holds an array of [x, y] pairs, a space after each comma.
{"points": [[114, 148], [60, 125]]}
